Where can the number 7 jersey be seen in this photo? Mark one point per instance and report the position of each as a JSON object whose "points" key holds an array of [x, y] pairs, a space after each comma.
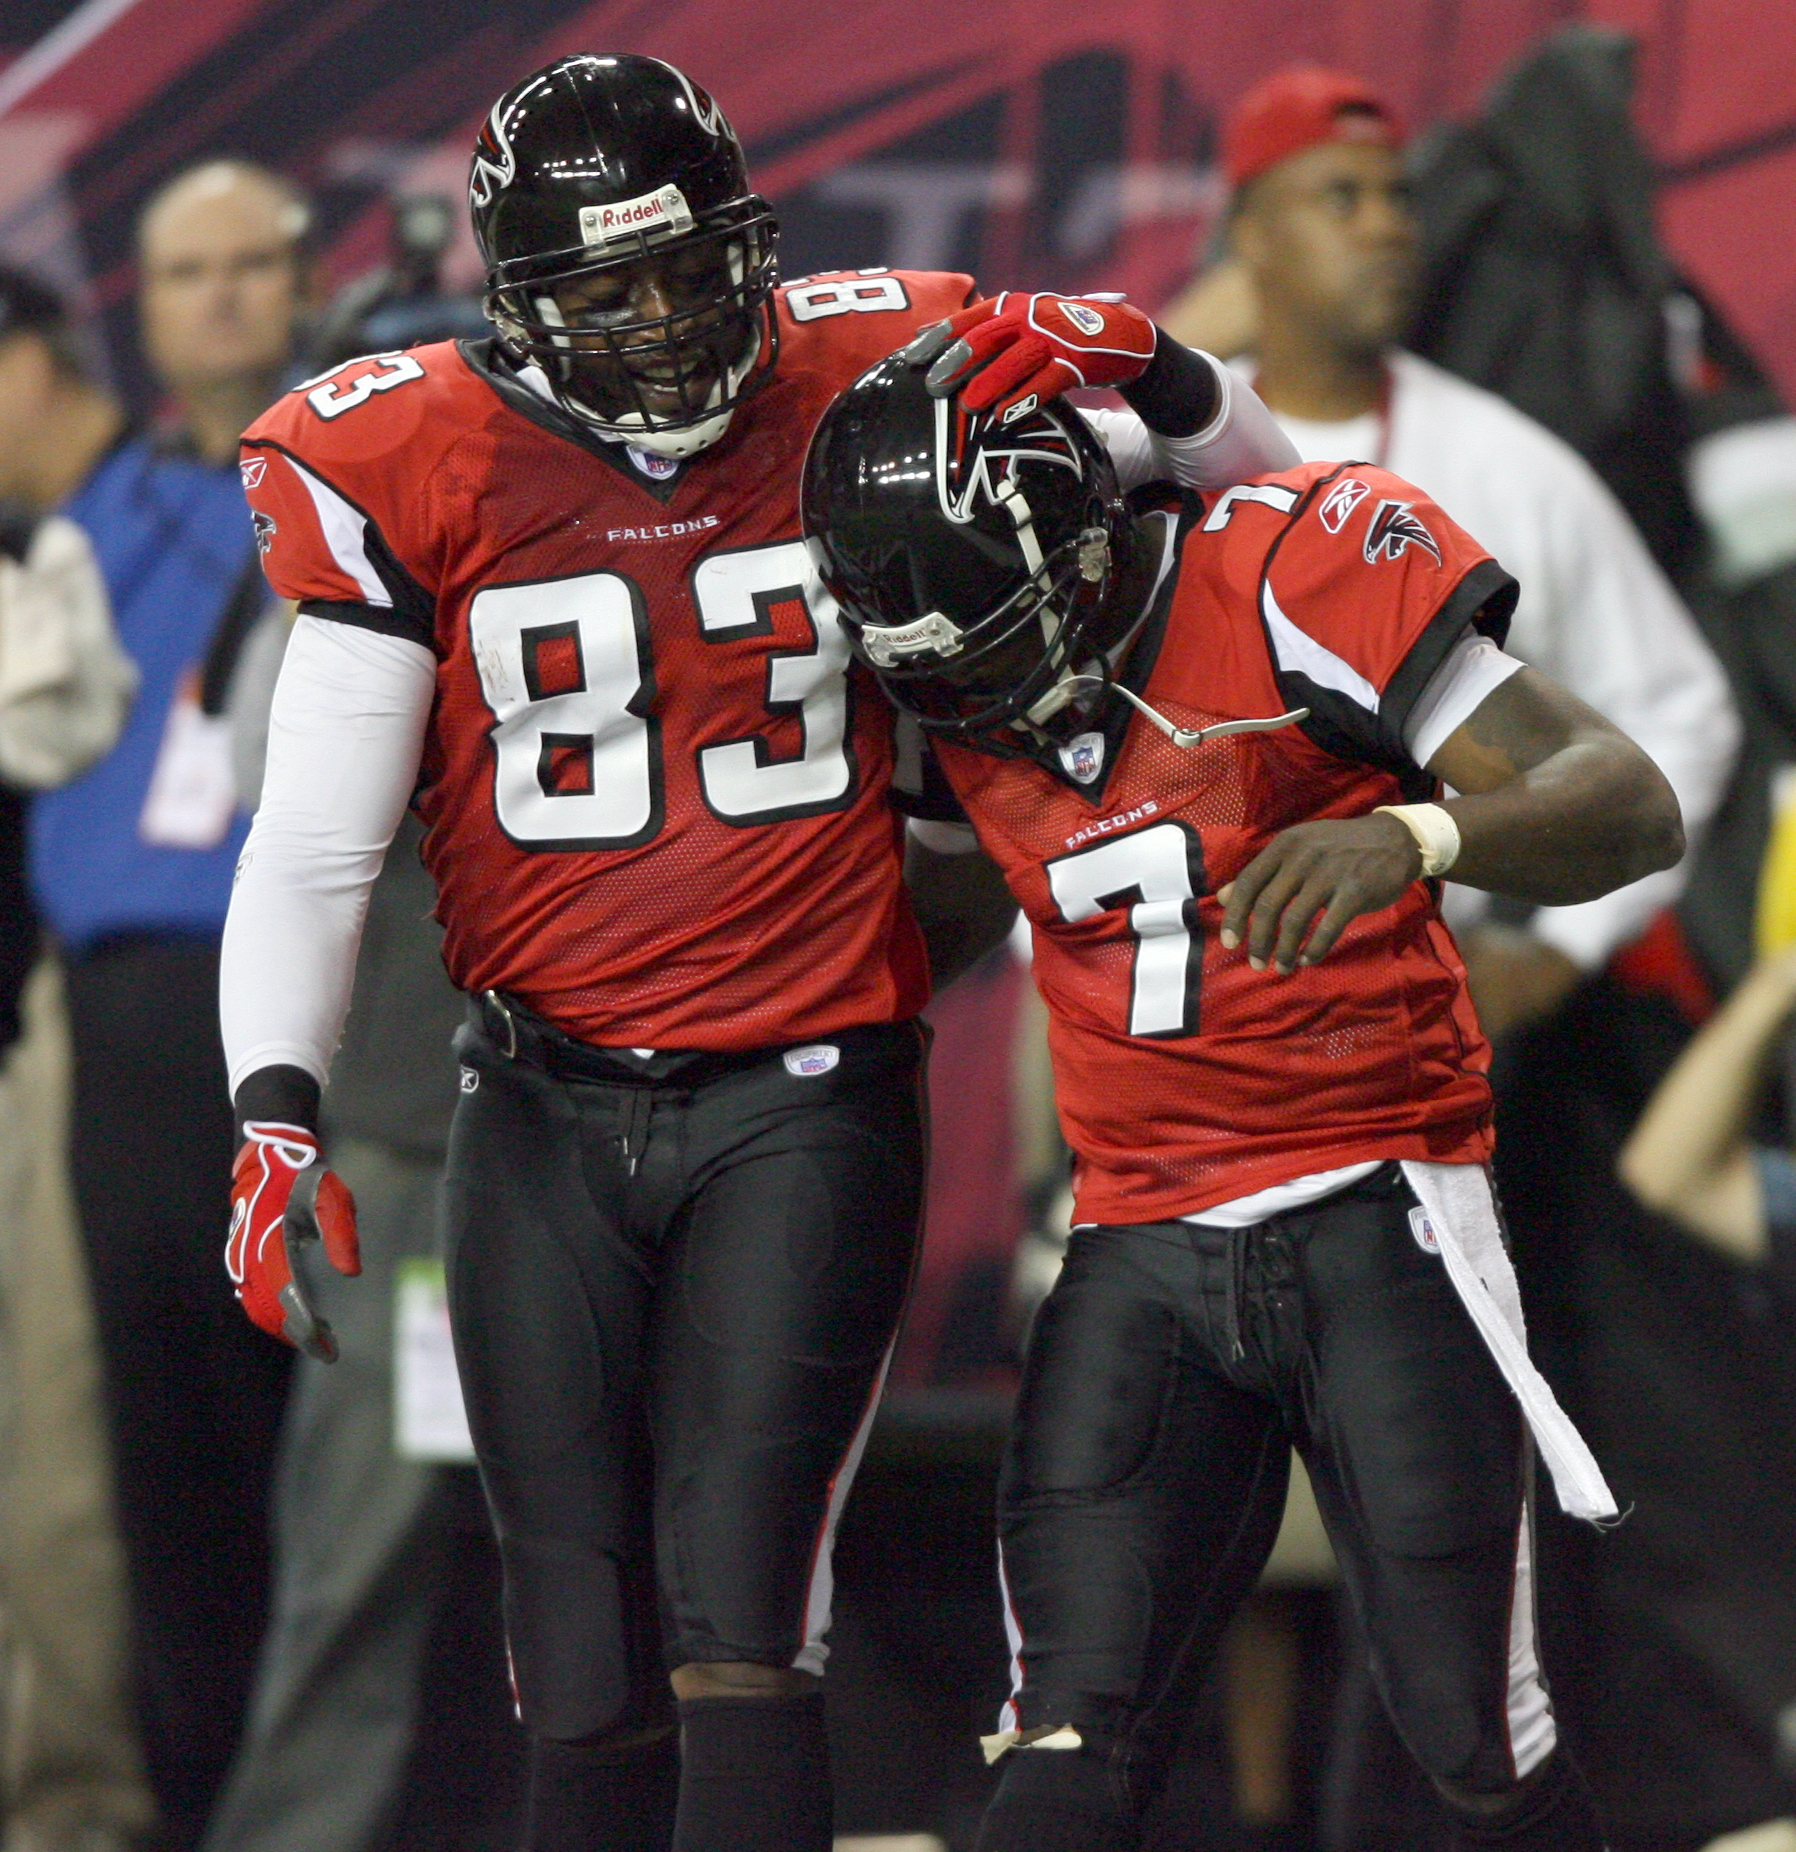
{"points": [[656, 792], [1185, 1079]]}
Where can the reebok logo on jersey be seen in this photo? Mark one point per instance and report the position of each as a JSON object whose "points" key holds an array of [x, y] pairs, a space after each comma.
{"points": [[252, 471], [819, 1058], [1394, 527], [1106, 824], [665, 209], [665, 530], [1423, 1230], [470, 1080], [1334, 508], [1083, 757]]}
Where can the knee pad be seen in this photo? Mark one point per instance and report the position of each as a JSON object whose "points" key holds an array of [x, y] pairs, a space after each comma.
{"points": [[585, 1650]]}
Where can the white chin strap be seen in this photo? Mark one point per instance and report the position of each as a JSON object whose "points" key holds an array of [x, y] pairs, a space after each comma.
{"points": [[1066, 684], [634, 428]]}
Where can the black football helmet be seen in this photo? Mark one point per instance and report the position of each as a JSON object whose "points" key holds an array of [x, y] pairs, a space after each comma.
{"points": [[977, 564], [625, 254]]}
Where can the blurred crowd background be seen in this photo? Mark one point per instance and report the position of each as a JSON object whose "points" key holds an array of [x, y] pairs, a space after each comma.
{"points": [[250, 1605]]}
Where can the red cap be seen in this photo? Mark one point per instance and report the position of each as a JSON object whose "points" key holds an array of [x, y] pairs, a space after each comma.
{"points": [[1297, 108]]}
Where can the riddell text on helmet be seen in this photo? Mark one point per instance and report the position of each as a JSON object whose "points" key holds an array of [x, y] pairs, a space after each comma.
{"points": [[664, 209]]}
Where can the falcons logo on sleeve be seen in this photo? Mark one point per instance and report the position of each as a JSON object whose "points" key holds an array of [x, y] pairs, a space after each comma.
{"points": [[1392, 528]]}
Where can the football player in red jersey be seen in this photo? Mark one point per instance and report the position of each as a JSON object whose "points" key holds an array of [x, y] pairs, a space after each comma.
{"points": [[1204, 740], [553, 592]]}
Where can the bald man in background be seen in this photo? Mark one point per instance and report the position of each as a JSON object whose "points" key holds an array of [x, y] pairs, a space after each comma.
{"points": [[130, 868]]}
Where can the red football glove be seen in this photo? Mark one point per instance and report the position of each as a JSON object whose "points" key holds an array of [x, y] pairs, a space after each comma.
{"points": [[1008, 353], [281, 1196]]}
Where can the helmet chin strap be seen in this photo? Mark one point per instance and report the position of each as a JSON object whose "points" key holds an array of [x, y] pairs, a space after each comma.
{"points": [[1065, 684], [1190, 736]]}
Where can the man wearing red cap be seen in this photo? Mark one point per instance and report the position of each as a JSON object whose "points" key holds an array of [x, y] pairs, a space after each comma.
{"points": [[1319, 287]]}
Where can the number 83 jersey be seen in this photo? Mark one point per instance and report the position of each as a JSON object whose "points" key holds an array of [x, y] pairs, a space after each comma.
{"points": [[1185, 1078], [656, 793]]}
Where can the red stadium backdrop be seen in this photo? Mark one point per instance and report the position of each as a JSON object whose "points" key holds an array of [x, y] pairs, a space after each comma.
{"points": [[1029, 143]]}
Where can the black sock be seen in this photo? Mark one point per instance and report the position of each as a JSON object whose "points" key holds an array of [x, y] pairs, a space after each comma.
{"points": [[1552, 1812], [591, 1795], [1056, 1800], [754, 1776]]}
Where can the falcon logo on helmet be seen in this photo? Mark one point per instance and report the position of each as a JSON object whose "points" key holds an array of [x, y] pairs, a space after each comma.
{"points": [[704, 108], [981, 588], [971, 469], [495, 166]]}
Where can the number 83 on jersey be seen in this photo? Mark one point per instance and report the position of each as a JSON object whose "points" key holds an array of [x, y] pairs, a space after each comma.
{"points": [[567, 668]]}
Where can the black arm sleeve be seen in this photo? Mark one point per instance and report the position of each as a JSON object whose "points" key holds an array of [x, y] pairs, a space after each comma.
{"points": [[279, 1095], [1178, 394]]}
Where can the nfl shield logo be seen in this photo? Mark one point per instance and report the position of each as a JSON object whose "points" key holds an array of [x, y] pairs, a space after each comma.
{"points": [[819, 1058], [1424, 1231], [657, 469], [1083, 757]]}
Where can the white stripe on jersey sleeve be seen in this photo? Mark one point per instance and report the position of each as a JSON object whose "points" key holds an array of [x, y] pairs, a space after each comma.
{"points": [[345, 530], [1300, 654]]}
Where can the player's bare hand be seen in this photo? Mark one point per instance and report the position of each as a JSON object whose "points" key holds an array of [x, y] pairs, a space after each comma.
{"points": [[1299, 894]]}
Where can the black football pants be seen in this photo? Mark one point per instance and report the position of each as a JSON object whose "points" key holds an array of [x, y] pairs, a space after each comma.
{"points": [[1170, 1371], [672, 1302]]}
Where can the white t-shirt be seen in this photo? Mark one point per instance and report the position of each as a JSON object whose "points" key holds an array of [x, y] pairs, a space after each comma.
{"points": [[1595, 612]]}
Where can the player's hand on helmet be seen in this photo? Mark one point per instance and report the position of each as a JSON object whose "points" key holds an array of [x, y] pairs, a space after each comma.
{"points": [[283, 1197], [1300, 893], [1007, 354]]}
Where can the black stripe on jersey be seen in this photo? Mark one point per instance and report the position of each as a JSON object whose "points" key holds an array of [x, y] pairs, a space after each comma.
{"points": [[1484, 600], [487, 361], [414, 610], [1337, 723], [384, 620]]}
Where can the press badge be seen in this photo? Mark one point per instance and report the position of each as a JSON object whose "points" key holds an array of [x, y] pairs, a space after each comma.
{"points": [[193, 791], [430, 1421]]}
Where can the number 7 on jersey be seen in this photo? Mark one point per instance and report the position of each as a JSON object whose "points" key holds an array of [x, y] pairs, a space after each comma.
{"points": [[1158, 874]]}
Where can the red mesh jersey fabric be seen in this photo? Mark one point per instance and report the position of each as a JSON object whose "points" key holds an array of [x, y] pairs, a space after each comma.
{"points": [[656, 793], [1184, 1078]]}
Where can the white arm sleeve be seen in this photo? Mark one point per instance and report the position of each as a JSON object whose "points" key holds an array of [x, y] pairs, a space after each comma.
{"points": [[344, 740], [1473, 669], [1241, 441], [942, 838]]}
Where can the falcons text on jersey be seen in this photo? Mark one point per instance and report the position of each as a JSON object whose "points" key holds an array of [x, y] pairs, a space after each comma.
{"points": [[1184, 1077], [656, 792]]}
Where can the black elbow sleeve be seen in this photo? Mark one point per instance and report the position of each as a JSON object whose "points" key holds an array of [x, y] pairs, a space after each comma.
{"points": [[1179, 393]]}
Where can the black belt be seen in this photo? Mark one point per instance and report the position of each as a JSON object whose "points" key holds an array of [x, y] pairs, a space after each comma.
{"points": [[519, 1034]]}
